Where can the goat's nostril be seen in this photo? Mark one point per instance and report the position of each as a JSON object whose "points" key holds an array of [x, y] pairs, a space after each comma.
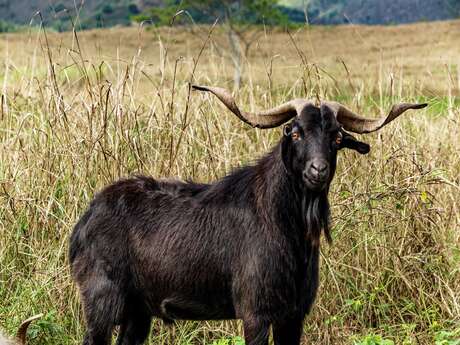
{"points": [[318, 169], [319, 166]]}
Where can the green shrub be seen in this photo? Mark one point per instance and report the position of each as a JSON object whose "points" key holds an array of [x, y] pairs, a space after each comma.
{"points": [[229, 341], [7, 27], [373, 339]]}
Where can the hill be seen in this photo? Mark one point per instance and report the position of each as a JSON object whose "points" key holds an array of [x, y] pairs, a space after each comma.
{"points": [[57, 13], [100, 13], [379, 11]]}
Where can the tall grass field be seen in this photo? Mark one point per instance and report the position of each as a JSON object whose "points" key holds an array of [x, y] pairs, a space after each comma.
{"points": [[80, 110]]}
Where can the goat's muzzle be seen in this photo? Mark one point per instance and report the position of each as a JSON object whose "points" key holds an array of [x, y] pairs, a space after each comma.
{"points": [[316, 174]]}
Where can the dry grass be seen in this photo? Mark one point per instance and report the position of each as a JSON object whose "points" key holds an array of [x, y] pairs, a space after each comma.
{"points": [[80, 112]]}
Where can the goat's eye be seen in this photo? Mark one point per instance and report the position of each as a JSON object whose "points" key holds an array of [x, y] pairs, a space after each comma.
{"points": [[295, 135]]}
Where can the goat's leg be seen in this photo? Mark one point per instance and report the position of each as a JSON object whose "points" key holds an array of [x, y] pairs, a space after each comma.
{"points": [[97, 336], [256, 331], [135, 329], [103, 304], [288, 331]]}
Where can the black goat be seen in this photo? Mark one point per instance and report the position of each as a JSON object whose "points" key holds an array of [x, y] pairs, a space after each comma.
{"points": [[246, 246]]}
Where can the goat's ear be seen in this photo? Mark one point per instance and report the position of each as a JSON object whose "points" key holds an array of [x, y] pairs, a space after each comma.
{"points": [[286, 152], [350, 142]]}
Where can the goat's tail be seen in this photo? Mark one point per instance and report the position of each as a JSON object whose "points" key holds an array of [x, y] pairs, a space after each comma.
{"points": [[78, 235]]}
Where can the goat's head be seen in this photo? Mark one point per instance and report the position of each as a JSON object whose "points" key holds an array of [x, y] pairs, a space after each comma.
{"points": [[311, 141]]}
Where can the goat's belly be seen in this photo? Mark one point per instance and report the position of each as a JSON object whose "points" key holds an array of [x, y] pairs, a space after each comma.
{"points": [[186, 308]]}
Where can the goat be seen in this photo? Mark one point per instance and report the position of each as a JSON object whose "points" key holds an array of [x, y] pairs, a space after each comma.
{"points": [[244, 247], [21, 334]]}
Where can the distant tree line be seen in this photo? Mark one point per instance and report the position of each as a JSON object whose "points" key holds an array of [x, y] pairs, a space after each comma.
{"points": [[8, 27], [59, 14]]}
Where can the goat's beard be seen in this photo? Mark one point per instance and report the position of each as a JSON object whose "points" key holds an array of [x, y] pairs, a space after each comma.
{"points": [[317, 215]]}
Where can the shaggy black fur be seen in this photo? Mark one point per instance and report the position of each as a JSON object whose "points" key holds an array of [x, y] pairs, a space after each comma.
{"points": [[246, 246]]}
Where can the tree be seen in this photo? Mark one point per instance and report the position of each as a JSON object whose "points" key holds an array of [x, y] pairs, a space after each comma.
{"points": [[243, 19], [454, 7]]}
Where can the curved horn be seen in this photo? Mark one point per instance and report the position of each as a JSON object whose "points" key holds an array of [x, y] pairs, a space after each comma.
{"points": [[355, 123], [22, 331], [264, 119]]}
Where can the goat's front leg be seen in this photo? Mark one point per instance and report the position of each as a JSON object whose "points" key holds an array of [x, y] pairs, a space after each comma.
{"points": [[256, 330], [288, 331]]}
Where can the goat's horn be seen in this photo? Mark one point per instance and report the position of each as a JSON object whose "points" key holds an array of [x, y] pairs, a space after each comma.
{"points": [[264, 119], [22, 331], [358, 124]]}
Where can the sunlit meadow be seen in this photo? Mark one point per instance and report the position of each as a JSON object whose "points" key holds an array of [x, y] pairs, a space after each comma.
{"points": [[80, 110]]}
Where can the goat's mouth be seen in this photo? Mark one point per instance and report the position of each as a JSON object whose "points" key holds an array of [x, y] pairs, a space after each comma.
{"points": [[313, 183]]}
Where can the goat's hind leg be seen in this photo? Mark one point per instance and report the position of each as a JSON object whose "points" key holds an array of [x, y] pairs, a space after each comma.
{"points": [[135, 327], [256, 331], [103, 305], [289, 331]]}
